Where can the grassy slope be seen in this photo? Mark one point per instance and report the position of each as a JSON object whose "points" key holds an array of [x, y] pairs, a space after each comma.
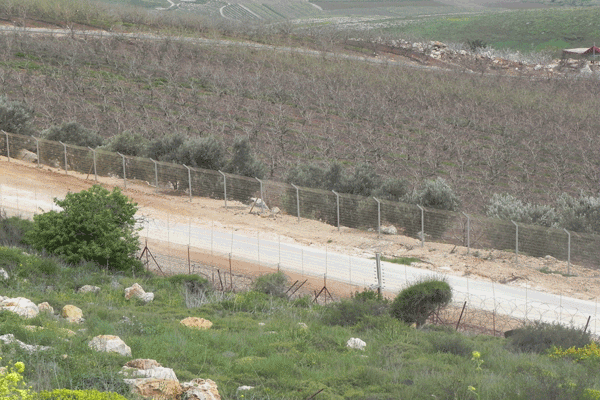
{"points": [[281, 359]]}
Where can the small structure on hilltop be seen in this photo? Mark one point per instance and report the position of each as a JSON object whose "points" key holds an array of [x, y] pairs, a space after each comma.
{"points": [[583, 52]]}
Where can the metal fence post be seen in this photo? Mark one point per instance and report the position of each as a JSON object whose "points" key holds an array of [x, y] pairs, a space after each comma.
{"points": [[262, 199], [189, 180], [37, 150], [124, 176], [7, 147], [155, 173], [337, 201], [297, 200], [422, 225], [468, 233], [378, 217], [378, 266], [224, 187], [94, 158], [568, 252], [516, 242], [65, 147]]}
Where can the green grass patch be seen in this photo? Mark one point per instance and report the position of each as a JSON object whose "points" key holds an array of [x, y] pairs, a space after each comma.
{"points": [[401, 260]]}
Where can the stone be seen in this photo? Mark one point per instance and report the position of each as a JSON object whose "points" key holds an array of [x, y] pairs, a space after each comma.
{"points": [[30, 348], [88, 289], [389, 230], [45, 307], [110, 344], [154, 373], [153, 388], [136, 290], [356, 343], [26, 155], [21, 306], [195, 322], [200, 389], [3, 274], [275, 210], [143, 363], [72, 313]]}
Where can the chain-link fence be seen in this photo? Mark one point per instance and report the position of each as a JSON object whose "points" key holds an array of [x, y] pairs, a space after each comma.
{"points": [[477, 232]]}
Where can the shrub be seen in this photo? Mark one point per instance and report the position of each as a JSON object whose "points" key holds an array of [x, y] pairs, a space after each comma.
{"points": [[508, 207], [580, 214], [435, 194], [15, 117], [165, 149], [349, 312], [540, 337], [204, 152], [417, 302], [307, 175], [272, 284], [73, 133], [95, 225], [589, 353], [11, 383], [451, 343], [243, 161], [12, 230], [363, 182], [130, 144], [66, 394], [392, 189]]}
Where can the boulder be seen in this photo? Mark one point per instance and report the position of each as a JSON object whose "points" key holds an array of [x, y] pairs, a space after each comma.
{"points": [[45, 307], [88, 289], [110, 344], [26, 155], [200, 389], [143, 363], [153, 388], [3, 274], [389, 230], [356, 343], [20, 305], [72, 313], [195, 322], [30, 348], [136, 290]]}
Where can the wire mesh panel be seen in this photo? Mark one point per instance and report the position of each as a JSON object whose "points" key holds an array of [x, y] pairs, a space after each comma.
{"points": [[172, 178], [585, 249], [20, 145], [405, 217], [207, 183], [109, 164], [242, 188], [280, 195], [140, 169], [80, 159], [51, 153], [318, 205], [357, 211]]}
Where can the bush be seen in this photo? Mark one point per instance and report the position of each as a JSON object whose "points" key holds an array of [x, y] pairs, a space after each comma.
{"points": [[243, 161], [272, 284], [130, 144], [393, 189], [204, 152], [66, 394], [540, 337], [12, 230], [73, 133], [417, 302], [507, 207], [363, 182], [451, 343], [580, 214], [95, 225], [434, 194], [165, 149], [307, 175], [356, 310], [15, 117]]}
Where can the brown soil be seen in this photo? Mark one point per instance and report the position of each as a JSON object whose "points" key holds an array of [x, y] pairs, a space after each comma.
{"points": [[489, 265]]}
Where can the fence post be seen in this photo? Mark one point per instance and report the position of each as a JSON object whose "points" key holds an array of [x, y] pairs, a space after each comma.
{"points": [[422, 225], [7, 147], [568, 252], [37, 150], [124, 176], [378, 217], [155, 173], [65, 147], [378, 265], [337, 201], [224, 187], [468, 233], [516, 242], [189, 180], [94, 158], [262, 199], [297, 200]]}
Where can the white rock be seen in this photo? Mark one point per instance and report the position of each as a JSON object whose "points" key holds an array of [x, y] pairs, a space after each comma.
{"points": [[110, 344], [45, 307], [3, 274], [136, 290], [389, 230], [30, 348], [20, 305], [356, 343], [88, 289], [154, 372]]}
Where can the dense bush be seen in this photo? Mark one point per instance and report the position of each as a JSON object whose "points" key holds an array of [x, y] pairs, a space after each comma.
{"points": [[12, 230], [307, 175], [15, 117], [95, 225], [540, 337], [508, 207], [434, 194], [243, 161], [452, 343], [580, 214], [360, 308], [203, 152], [165, 148], [73, 133], [272, 284], [364, 181], [417, 302], [129, 144]]}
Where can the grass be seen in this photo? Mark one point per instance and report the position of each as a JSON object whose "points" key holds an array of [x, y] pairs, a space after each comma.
{"points": [[401, 260], [546, 270], [256, 340]]}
